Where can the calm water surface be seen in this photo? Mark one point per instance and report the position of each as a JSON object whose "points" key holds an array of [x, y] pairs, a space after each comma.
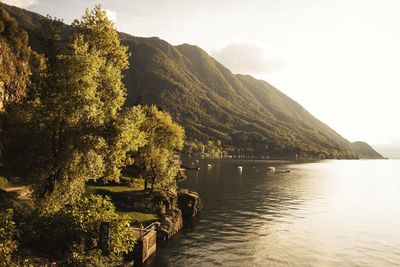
{"points": [[327, 213]]}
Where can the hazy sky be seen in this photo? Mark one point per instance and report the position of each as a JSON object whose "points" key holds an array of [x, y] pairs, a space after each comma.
{"points": [[340, 59]]}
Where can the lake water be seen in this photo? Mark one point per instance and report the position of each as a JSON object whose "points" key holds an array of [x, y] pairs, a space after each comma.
{"points": [[327, 213]]}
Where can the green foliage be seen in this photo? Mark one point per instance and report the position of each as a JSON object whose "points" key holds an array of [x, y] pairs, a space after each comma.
{"points": [[72, 127], [124, 138], [249, 116], [194, 147], [8, 232], [69, 127], [15, 36], [213, 149], [98, 31], [81, 258], [76, 227], [135, 183], [140, 217], [14, 57], [156, 159], [3, 182]]}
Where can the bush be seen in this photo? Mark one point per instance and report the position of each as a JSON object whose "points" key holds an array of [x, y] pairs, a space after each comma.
{"points": [[73, 231], [8, 232], [80, 257], [3, 182]]}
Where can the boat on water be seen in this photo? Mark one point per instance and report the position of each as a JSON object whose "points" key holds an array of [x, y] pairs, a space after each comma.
{"points": [[271, 169], [240, 168], [192, 168]]}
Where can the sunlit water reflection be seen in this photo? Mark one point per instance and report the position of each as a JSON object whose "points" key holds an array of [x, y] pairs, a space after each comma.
{"points": [[326, 213]]}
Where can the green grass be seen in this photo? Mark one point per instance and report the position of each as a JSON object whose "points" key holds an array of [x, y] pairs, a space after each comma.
{"points": [[133, 182], [140, 217], [129, 186], [110, 188]]}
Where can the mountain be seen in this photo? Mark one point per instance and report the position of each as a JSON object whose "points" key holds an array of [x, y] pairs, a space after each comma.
{"points": [[14, 66], [247, 115], [391, 150], [365, 151]]}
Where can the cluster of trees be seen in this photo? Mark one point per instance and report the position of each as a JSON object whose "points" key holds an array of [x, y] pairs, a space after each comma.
{"points": [[212, 149], [14, 67], [217, 149], [66, 124], [155, 160]]}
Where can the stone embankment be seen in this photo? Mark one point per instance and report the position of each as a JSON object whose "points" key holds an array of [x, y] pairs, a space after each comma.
{"points": [[190, 203]]}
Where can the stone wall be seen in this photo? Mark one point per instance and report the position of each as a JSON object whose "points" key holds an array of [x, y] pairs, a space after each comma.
{"points": [[190, 203], [170, 224]]}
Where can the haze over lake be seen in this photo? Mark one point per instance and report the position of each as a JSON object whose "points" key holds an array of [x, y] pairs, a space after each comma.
{"points": [[326, 213]]}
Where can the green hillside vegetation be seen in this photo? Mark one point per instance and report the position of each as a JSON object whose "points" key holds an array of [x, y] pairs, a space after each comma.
{"points": [[365, 151], [247, 116], [14, 57]]}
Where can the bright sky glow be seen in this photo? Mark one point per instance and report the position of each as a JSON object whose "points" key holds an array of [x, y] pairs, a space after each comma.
{"points": [[340, 59]]}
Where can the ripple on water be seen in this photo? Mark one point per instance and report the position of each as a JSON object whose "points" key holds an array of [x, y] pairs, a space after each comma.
{"points": [[330, 213]]}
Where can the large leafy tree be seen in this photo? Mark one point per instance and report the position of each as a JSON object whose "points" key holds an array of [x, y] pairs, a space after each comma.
{"points": [[72, 126], [156, 159], [99, 32]]}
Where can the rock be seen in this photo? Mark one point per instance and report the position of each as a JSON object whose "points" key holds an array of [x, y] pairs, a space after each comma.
{"points": [[190, 203], [170, 224]]}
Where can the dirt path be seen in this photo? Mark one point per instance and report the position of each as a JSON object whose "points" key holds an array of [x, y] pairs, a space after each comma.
{"points": [[15, 188], [24, 192]]}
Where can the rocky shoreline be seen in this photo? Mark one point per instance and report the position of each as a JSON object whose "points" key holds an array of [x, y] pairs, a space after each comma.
{"points": [[188, 206]]}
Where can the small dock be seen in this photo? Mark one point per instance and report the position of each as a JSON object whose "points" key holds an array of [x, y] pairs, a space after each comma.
{"points": [[146, 243]]}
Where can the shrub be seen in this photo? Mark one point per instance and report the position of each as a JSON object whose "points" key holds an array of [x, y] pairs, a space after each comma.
{"points": [[79, 257], [3, 182], [8, 232], [73, 231]]}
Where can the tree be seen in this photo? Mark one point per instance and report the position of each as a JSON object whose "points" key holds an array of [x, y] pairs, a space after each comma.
{"points": [[14, 57], [75, 228], [72, 127], [155, 160], [99, 32]]}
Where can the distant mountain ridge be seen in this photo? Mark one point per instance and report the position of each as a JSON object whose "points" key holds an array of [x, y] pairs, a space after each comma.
{"points": [[365, 151], [391, 150], [247, 115]]}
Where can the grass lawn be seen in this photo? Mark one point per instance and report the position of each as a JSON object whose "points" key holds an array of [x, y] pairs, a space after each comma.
{"points": [[119, 191], [140, 217], [128, 184], [111, 188]]}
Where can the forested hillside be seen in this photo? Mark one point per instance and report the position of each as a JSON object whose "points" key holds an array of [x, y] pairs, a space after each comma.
{"points": [[212, 103], [245, 115]]}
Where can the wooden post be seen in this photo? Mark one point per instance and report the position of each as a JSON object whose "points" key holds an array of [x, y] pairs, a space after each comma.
{"points": [[104, 238]]}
